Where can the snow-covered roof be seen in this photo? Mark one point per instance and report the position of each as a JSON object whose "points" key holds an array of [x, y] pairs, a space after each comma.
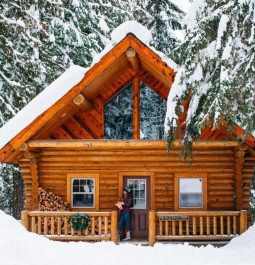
{"points": [[71, 77], [41, 102], [142, 33]]}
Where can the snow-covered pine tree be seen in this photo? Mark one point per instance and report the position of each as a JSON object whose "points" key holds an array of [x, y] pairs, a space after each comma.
{"points": [[165, 18], [38, 41], [217, 68]]}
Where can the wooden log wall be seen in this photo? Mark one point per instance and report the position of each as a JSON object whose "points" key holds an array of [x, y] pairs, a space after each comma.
{"points": [[247, 171], [218, 164]]}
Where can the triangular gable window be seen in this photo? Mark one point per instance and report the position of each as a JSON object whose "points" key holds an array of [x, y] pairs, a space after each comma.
{"points": [[119, 122]]}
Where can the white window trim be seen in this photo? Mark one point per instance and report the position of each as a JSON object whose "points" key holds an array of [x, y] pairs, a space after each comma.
{"points": [[94, 193], [202, 200], [145, 191]]}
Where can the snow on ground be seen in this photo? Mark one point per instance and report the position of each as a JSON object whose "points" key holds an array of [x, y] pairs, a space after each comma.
{"points": [[19, 247]]}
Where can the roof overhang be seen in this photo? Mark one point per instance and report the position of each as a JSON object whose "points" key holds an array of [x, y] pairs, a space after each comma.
{"points": [[94, 80]]}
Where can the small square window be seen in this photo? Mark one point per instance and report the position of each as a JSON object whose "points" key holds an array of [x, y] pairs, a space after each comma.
{"points": [[83, 195], [190, 193]]}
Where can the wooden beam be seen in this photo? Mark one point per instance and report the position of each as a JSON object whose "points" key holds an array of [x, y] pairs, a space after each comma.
{"points": [[125, 144], [133, 59], [251, 152], [35, 184], [82, 102], [136, 109], [23, 147]]}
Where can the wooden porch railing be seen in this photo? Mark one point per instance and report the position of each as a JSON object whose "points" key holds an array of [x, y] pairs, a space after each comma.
{"points": [[196, 225], [57, 225]]}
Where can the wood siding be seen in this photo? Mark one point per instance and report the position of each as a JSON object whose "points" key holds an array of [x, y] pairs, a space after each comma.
{"points": [[217, 164]]}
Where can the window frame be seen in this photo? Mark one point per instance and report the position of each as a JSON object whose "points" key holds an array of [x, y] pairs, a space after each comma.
{"points": [[70, 179], [145, 194], [203, 177]]}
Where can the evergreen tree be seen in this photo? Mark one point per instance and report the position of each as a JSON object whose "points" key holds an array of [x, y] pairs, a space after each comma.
{"points": [[40, 39], [165, 18], [217, 68]]}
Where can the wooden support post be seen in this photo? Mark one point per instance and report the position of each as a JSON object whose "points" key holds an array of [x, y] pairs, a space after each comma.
{"points": [[114, 226], [82, 102], [136, 109], [239, 162], [25, 219], [35, 185], [152, 228], [133, 59], [243, 221]]}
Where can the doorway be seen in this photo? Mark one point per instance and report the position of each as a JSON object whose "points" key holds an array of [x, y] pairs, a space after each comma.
{"points": [[140, 189]]}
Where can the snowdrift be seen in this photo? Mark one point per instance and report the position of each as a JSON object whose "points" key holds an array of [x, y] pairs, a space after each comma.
{"points": [[19, 247]]}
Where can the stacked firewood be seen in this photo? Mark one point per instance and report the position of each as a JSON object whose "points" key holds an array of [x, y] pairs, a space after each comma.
{"points": [[50, 202]]}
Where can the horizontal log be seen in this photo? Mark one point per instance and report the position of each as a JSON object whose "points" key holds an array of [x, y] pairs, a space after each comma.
{"points": [[199, 213], [196, 238], [134, 158], [117, 164], [62, 214], [128, 144], [96, 170], [78, 238], [212, 152]]}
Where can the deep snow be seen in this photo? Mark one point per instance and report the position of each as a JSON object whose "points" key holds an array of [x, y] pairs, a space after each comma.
{"points": [[19, 247]]}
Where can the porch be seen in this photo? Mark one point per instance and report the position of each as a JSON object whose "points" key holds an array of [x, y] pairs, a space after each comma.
{"points": [[163, 226]]}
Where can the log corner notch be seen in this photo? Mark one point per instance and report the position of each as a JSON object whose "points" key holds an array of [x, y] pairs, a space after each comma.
{"points": [[133, 59], [239, 163], [82, 102]]}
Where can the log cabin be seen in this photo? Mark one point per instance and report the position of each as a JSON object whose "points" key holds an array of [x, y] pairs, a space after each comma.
{"points": [[59, 142]]}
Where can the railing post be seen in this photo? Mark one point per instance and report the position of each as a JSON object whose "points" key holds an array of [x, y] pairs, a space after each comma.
{"points": [[114, 226], [152, 228], [243, 221], [24, 219]]}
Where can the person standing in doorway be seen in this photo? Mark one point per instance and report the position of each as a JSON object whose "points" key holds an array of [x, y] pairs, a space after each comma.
{"points": [[124, 205]]}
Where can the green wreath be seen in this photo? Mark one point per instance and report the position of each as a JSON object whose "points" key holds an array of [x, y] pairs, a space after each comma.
{"points": [[80, 222]]}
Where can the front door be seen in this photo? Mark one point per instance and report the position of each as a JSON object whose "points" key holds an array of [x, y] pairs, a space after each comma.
{"points": [[140, 189]]}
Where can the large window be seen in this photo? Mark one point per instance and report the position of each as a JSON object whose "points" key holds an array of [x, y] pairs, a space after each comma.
{"points": [[118, 116], [191, 192], [152, 115], [83, 193]]}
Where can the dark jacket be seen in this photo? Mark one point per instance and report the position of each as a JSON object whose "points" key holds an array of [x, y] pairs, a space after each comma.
{"points": [[128, 202]]}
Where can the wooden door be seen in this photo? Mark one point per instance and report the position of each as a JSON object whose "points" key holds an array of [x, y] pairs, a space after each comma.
{"points": [[140, 189]]}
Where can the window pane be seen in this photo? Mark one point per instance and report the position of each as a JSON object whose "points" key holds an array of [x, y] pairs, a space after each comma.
{"points": [[76, 182], [153, 112], [75, 188], [83, 181], [190, 185], [191, 200], [118, 116], [83, 200]]}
